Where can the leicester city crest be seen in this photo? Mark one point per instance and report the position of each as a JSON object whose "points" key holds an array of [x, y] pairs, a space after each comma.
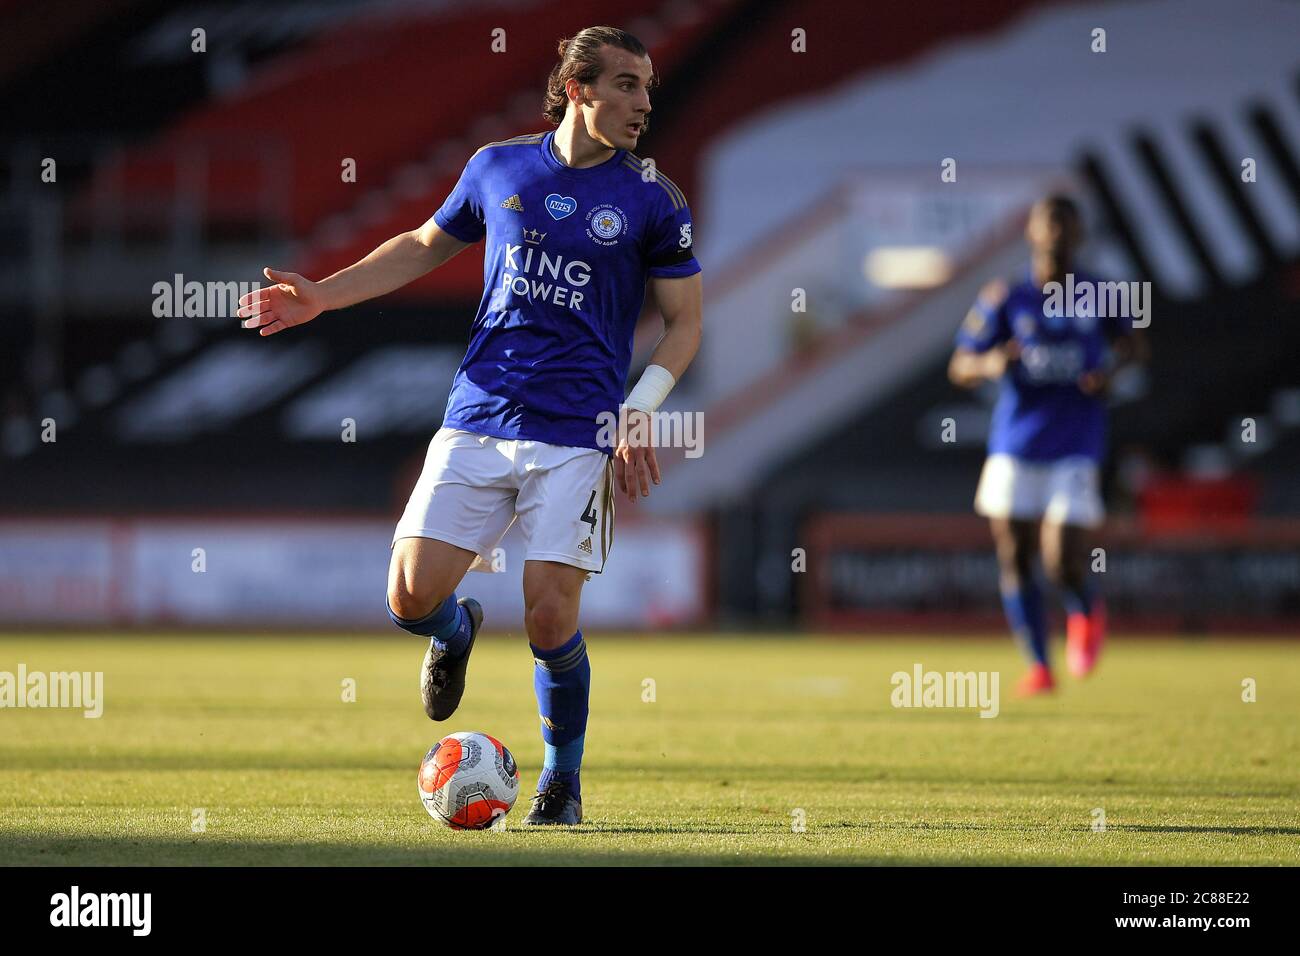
{"points": [[605, 223]]}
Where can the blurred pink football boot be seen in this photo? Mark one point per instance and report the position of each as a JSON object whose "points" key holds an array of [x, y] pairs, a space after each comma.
{"points": [[1084, 635]]}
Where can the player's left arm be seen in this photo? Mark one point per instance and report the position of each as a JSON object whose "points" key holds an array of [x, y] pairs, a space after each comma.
{"points": [[681, 303]]}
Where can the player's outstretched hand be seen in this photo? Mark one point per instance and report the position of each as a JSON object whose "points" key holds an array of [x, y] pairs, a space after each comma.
{"points": [[292, 301], [635, 465]]}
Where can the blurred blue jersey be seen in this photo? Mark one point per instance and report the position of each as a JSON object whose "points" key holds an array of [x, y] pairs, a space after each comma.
{"points": [[1041, 413], [564, 270]]}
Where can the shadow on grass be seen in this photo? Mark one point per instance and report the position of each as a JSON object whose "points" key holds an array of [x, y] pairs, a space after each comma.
{"points": [[511, 848], [580, 846]]}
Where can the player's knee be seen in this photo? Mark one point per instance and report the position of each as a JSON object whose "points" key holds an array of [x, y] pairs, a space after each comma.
{"points": [[548, 623], [411, 601]]}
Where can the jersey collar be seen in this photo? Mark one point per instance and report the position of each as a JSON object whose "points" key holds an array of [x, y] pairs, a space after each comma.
{"points": [[554, 164]]}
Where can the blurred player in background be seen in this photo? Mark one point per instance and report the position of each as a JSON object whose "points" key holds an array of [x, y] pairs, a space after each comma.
{"points": [[1040, 484], [576, 225]]}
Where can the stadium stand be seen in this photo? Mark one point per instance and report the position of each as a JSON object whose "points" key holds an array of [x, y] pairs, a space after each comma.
{"points": [[176, 191]]}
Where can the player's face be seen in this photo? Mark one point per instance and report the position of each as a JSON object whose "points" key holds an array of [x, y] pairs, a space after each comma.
{"points": [[617, 108], [1053, 230]]}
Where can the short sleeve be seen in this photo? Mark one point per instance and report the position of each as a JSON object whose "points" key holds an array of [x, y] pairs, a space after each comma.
{"points": [[670, 245], [461, 214], [985, 324]]}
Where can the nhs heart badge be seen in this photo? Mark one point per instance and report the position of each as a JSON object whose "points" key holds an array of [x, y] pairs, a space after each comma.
{"points": [[560, 206]]}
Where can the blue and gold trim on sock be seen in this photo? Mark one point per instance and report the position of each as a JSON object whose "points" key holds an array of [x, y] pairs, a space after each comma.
{"points": [[570, 656]]}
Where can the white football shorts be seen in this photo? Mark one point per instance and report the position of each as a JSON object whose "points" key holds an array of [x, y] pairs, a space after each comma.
{"points": [[473, 487], [1065, 491]]}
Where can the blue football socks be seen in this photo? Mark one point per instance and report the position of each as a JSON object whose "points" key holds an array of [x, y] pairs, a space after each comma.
{"points": [[562, 682], [447, 624], [1024, 609]]}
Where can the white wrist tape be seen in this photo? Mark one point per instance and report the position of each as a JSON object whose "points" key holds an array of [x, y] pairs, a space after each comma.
{"points": [[655, 384]]}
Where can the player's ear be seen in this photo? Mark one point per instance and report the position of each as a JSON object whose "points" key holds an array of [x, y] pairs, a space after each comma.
{"points": [[573, 89]]}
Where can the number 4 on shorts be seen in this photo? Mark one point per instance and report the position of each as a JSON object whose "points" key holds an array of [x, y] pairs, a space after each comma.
{"points": [[589, 513]]}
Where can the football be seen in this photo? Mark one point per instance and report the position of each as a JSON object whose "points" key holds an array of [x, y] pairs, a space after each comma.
{"points": [[468, 781]]}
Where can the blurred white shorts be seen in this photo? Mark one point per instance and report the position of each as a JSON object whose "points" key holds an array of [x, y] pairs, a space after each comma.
{"points": [[473, 487], [1066, 491]]}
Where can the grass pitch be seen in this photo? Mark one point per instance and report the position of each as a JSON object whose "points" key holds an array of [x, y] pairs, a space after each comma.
{"points": [[744, 738]]}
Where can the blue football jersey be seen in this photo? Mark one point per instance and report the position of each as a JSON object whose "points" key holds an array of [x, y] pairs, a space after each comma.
{"points": [[565, 266], [1041, 414]]}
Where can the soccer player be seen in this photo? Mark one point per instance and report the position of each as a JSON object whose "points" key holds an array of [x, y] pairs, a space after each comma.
{"points": [[576, 226], [1040, 483]]}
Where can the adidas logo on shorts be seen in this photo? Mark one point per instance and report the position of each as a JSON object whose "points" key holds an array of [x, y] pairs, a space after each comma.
{"points": [[585, 547]]}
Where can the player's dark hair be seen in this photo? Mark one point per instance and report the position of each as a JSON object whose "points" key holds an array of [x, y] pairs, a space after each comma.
{"points": [[1060, 202], [580, 60]]}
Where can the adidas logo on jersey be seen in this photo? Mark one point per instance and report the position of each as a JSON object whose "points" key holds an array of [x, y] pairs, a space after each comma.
{"points": [[585, 547], [513, 203]]}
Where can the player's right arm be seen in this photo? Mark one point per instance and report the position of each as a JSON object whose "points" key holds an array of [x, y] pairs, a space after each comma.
{"points": [[293, 299], [967, 368], [985, 346]]}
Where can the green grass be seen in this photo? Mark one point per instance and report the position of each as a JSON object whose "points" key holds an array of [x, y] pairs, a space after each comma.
{"points": [[741, 733]]}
